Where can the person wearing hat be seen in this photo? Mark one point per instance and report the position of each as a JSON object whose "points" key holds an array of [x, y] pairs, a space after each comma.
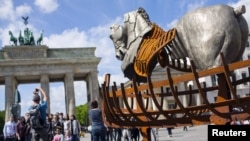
{"points": [[40, 134]]}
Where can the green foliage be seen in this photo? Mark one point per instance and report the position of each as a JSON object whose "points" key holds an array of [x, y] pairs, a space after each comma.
{"points": [[2, 121], [82, 114]]}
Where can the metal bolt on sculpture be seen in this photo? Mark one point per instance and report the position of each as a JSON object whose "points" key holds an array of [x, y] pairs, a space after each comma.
{"points": [[216, 51]]}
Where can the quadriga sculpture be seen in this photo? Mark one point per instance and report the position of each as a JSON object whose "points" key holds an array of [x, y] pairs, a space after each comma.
{"points": [[201, 35]]}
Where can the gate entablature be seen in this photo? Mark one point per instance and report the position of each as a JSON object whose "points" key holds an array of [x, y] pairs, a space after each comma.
{"points": [[22, 61]]}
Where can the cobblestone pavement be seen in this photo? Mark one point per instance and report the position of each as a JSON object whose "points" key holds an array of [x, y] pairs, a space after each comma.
{"points": [[194, 133]]}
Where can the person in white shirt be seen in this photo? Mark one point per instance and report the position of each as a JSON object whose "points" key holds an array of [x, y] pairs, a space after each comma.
{"points": [[75, 128], [10, 130], [66, 123]]}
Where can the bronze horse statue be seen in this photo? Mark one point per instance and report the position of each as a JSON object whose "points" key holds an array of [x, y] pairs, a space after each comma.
{"points": [[200, 35], [13, 38], [40, 39]]}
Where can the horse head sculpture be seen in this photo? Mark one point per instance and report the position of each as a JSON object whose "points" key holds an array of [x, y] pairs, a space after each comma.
{"points": [[201, 35], [127, 38]]}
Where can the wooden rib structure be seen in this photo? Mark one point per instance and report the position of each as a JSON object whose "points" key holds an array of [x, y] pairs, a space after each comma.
{"points": [[129, 107]]}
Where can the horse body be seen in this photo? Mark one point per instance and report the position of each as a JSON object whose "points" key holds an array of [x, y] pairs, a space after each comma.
{"points": [[204, 33], [201, 36], [39, 40], [13, 38], [31, 39]]}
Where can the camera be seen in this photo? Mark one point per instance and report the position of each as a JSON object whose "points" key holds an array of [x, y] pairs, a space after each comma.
{"points": [[36, 90]]}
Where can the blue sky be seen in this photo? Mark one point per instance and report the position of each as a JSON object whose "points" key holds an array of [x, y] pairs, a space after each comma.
{"points": [[85, 23]]}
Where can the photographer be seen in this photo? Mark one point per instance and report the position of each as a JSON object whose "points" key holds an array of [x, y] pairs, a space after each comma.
{"points": [[39, 134]]}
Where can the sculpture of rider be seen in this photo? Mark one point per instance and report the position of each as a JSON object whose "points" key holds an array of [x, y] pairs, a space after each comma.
{"points": [[20, 39]]}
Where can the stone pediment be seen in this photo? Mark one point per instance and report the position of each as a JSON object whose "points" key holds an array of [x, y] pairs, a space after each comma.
{"points": [[32, 61]]}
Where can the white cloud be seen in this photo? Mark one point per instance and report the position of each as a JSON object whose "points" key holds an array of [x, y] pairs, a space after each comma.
{"points": [[46, 6], [23, 10], [197, 4], [9, 13], [95, 37], [6, 10], [68, 38], [57, 99], [171, 24]]}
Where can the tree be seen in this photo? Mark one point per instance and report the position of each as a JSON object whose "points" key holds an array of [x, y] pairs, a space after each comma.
{"points": [[2, 121], [82, 114]]}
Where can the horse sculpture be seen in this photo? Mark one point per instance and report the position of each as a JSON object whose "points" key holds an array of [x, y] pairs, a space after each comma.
{"points": [[13, 38], [201, 35], [20, 38], [213, 38], [40, 39]]}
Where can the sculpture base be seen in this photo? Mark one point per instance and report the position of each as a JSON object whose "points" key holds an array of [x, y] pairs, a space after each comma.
{"points": [[25, 52]]}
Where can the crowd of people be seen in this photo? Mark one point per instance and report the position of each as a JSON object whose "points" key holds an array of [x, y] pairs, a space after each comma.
{"points": [[240, 122], [59, 127], [55, 127]]}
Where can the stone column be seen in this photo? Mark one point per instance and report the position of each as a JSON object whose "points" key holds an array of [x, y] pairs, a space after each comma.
{"points": [[45, 86], [93, 86], [69, 94], [10, 87], [89, 88], [88, 91]]}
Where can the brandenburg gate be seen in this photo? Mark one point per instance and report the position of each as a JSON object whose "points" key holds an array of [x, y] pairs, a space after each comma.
{"points": [[24, 64]]}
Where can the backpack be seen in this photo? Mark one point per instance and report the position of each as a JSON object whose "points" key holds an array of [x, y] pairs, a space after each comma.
{"points": [[36, 117]]}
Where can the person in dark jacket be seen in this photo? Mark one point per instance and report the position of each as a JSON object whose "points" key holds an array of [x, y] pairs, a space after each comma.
{"points": [[98, 128]]}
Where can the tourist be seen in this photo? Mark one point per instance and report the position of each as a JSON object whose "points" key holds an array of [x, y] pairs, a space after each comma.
{"points": [[67, 136], [155, 133], [21, 129], [49, 125], [9, 130], [58, 136], [98, 128], [126, 134], [185, 128], [56, 123], [40, 134], [27, 133], [169, 129], [61, 120], [75, 128], [66, 123]]}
